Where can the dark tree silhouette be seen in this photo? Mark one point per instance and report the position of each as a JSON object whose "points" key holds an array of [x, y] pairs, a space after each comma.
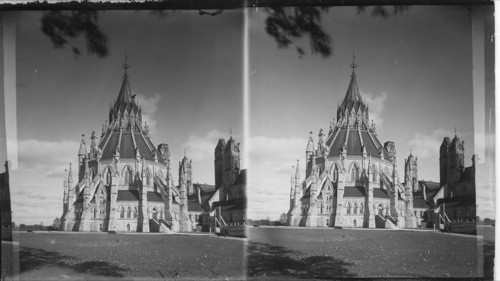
{"points": [[62, 26], [288, 24]]}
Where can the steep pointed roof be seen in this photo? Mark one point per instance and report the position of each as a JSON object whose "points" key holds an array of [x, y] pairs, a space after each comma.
{"points": [[125, 94], [83, 148], [125, 99], [231, 144], [352, 95], [310, 143], [297, 171]]}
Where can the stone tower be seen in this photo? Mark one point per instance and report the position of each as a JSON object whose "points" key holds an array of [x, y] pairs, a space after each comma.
{"points": [[219, 162], [185, 170], [443, 161], [411, 172], [451, 164], [231, 161], [411, 185], [455, 164]]}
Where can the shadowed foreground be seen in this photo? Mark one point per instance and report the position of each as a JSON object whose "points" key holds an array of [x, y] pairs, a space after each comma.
{"points": [[97, 257], [326, 253]]}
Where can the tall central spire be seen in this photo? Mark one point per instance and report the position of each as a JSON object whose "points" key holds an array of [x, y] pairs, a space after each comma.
{"points": [[125, 97], [125, 113], [353, 64], [352, 94], [353, 112], [125, 65]]}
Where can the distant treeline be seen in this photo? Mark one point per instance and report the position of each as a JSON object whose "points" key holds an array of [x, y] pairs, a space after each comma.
{"points": [[34, 227], [251, 222]]}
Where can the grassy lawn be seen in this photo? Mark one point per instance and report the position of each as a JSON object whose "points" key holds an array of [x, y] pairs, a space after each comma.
{"points": [[285, 253], [49, 256]]}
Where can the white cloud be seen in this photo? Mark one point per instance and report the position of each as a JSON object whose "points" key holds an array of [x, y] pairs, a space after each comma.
{"points": [[200, 149], [37, 184], [426, 145], [149, 107], [270, 168], [376, 105], [35, 153]]}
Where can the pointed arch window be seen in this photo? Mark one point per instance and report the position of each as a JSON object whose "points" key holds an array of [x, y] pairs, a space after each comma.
{"points": [[355, 208], [374, 175], [94, 212], [107, 176], [349, 208], [148, 177], [355, 173], [135, 212], [122, 212], [128, 212], [361, 208], [335, 175], [128, 176]]}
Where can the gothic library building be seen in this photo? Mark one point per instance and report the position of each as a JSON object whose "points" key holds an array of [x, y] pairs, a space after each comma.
{"points": [[351, 178], [125, 182]]}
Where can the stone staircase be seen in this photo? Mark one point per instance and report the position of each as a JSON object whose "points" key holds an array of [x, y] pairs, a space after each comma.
{"points": [[391, 223], [379, 221]]}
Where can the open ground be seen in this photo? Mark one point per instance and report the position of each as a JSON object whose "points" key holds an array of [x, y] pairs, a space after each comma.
{"points": [[325, 253], [55, 256]]}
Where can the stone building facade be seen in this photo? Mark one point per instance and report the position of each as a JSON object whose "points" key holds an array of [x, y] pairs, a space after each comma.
{"points": [[458, 182], [350, 177], [227, 198], [124, 182]]}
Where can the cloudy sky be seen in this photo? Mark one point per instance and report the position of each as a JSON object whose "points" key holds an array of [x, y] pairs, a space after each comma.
{"points": [[186, 70], [414, 69]]}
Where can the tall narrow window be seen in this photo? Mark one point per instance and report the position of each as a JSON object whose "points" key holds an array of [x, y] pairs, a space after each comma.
{"points": [[335, 175], [108, 177], [135, 212], [128, 176], [122, 212], [349, 210], [355, 173], [128, 212]]}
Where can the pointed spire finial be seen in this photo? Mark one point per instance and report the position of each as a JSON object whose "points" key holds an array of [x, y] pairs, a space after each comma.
{"points": [[455, 130], [125, 65], [230, 132], [353, 64]]}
